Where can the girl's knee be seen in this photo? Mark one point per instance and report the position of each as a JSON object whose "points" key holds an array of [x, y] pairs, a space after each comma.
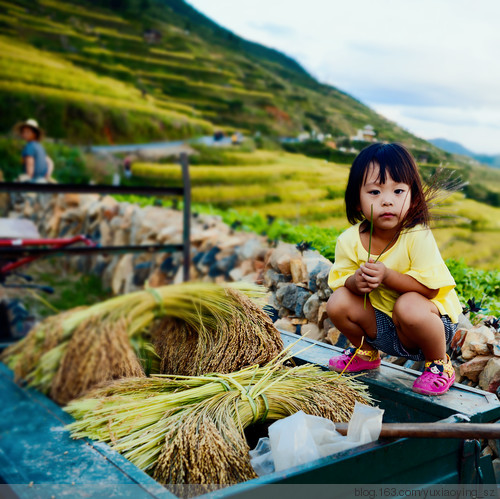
{"points": [[339, 302], [411, 308]]}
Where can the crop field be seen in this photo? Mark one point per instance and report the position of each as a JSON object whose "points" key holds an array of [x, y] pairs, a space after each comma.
{"points": [[26, 72]]}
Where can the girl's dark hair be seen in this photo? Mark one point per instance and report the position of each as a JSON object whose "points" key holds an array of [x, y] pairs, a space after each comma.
{"points": [[397, 161]]}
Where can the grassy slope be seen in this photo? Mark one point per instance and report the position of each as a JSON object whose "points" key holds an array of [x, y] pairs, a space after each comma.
{"points": [[60, 60]]}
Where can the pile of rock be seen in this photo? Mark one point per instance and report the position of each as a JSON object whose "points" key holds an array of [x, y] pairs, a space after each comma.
{"points": [[476, 353], [297, 280], [218, 252]]}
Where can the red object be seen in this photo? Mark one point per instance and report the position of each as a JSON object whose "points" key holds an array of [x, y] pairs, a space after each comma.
{"points": [[55, 243]]}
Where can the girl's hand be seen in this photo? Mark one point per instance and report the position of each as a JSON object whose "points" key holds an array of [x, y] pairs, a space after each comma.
{"points": [[373, 274], [360, 283]]}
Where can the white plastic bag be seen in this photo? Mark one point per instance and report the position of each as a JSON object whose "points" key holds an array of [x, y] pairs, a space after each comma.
{"points": [[365, 424], [301, 438], [261, 458]]}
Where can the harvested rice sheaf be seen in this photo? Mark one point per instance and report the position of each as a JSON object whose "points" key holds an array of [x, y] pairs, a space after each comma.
{"points": [[244, 338], [96, 353], [190, 429], [199, 328]]}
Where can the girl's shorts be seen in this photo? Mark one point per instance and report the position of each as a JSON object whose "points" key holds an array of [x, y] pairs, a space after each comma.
{"points": [[387, 339]]}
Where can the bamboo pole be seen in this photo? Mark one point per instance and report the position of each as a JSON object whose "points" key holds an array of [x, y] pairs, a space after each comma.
{"points": [[434, 430]]}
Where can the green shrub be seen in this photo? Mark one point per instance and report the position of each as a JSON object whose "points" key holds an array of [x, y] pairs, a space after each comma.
{"points": [[482, 285]]}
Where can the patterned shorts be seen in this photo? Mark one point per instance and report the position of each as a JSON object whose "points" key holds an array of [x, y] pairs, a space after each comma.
{"points": [[387, 339]]}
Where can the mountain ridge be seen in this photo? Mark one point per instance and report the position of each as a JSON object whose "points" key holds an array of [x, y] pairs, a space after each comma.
{"points": [[457, 148], [177, 74]]}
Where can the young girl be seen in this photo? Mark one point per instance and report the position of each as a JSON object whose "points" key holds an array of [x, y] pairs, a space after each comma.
{"points": [[411, 308]]}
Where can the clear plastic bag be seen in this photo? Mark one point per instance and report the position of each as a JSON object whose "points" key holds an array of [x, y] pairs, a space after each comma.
{"points": [[301, 438]]}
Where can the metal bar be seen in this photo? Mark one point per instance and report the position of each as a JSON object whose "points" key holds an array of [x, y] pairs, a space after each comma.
{"points": [[434, 430], [82, 189], [23, 243], [13, 243], [151, 248], [186, 180]]}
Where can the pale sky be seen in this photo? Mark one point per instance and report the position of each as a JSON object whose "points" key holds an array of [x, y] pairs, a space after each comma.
{"points": [[432, 66]]}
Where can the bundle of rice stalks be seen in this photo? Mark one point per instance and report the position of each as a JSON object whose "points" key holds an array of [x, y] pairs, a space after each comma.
{"points": [[190, 429], [68, 354], [245, 338]]}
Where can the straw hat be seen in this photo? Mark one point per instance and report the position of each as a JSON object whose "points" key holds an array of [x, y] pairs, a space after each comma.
{"points": [[33, 124]]}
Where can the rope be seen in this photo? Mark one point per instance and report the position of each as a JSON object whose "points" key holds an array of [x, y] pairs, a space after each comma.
{"points": [[158, 300], [244, 393]]}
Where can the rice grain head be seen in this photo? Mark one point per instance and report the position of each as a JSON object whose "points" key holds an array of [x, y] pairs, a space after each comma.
{"points": [[98, 351], [243, 336]]}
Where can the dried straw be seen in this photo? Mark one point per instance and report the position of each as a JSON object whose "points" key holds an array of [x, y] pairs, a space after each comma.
{"points": [[69, 353], [97, 352], [245, 337], [185, 429]]}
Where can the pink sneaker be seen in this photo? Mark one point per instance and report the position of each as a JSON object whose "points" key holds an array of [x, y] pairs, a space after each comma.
{"points": [[350, 363], [436, 379]]}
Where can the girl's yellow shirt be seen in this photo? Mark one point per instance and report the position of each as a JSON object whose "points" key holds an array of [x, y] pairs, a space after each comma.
{"points": [[415, 253]]}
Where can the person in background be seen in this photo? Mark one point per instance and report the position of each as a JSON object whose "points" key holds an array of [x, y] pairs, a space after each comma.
{"points": [[37, 165]]}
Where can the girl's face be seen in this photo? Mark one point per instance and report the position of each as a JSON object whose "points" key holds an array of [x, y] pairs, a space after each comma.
{"points": [[391, 201]]}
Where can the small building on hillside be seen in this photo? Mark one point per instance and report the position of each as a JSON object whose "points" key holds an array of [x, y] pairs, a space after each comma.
{"points": [[367, 134], [152, 36]]}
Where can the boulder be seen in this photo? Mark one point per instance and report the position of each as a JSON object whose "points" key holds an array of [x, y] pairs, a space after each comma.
{"points": [[473, 368], [494, 445], [123, 275], [273, 278], [281, 256], [109, 207], [487, 451], [496, 469], [157, 278], [458, 340], [321, 266], [258, 265], [293, 297], [250, 250], [313, 259], [285, 324], [247, 267], [312, 332], [476, 342], [236, 274], [489, 379], [120, 238], [231, 242], [106, 237], [283, 264], [171, 234], [311, 308], [298, 270], [456, 367], [322, 315], [332, 335], [71, 199], [464, 322]]}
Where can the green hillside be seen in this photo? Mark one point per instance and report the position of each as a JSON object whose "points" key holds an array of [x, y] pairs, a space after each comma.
{"points": [[89, 73]]}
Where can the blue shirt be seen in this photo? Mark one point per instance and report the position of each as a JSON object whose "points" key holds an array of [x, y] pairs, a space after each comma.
{"points": [[36, 150]]}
